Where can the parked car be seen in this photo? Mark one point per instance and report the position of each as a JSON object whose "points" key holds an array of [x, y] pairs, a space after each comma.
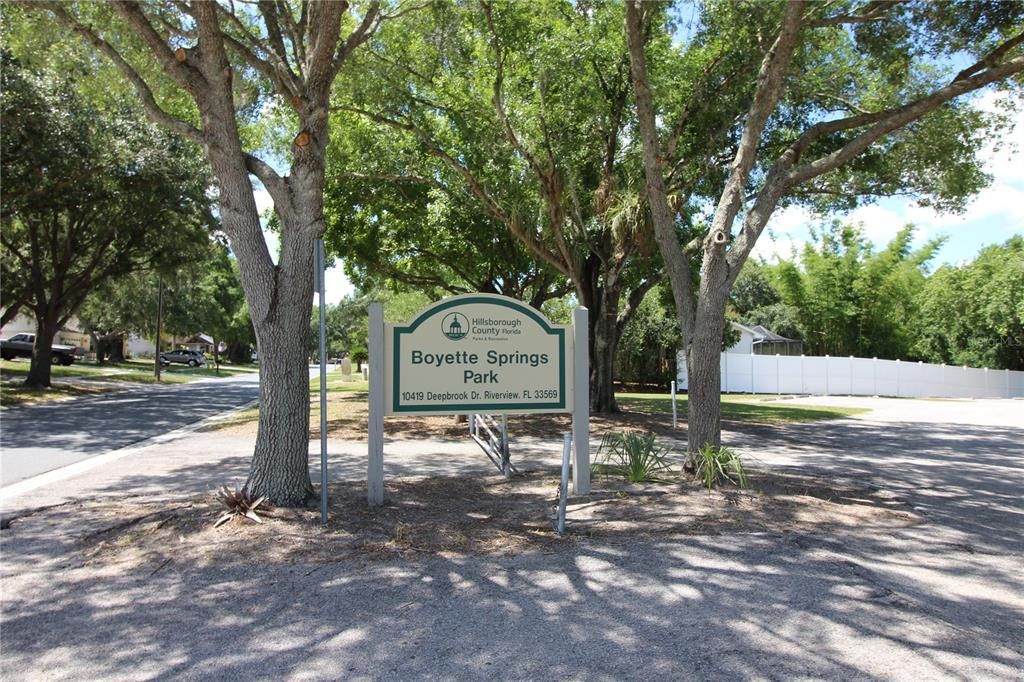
{"points": [[20, 346], [192, 358]]}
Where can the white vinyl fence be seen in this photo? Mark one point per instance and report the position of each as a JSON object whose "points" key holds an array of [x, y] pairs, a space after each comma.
{"points": [[858, 376]]}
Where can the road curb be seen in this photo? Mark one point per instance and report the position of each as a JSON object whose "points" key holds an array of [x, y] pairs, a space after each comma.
{"points": [[72, 470]]}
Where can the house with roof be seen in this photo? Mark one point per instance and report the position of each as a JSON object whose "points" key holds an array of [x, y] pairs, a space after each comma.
{"points": [[757, 340]]}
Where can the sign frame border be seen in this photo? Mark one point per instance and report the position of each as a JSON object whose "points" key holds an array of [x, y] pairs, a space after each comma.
{"points": [[562, 406]]}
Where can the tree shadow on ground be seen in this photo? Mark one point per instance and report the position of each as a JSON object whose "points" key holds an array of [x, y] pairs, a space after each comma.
{"points": [[722, 592], [967, 479]]}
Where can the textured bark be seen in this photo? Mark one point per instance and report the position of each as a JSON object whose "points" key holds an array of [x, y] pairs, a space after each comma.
{"points": [[703, 425], [280, 466], [42, 353], [604, 339]]}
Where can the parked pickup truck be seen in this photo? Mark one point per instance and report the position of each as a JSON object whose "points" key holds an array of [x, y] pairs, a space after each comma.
{"points": [[20, 346]]}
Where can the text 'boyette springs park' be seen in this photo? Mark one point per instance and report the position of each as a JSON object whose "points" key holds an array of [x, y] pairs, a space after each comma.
{"points": [[478, 353]]}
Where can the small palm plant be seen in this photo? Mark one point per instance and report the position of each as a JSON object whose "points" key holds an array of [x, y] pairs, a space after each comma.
{"points": [[636, 456], [237, 504], [715, 465]]}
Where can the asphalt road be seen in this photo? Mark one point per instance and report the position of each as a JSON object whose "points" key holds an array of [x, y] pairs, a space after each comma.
{"points": [[35, 439]]}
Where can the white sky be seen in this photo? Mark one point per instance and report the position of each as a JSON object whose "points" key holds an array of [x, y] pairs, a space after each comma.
{"points": [[992, 217]]}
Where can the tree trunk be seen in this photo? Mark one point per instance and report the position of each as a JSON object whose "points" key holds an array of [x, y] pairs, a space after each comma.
{"points": [[703, 369], [97, 346], [602, 303], [116, 342], [280, 464], [604, 334], [42, 353]]}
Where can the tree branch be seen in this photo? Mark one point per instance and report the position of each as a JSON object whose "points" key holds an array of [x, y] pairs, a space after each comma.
{"points": [[498, 100], [991, 59], [294, 34], [766, 96], [677, 266], [149, 103], [490, 205], [635, 298], [367, 27], [892, 119], [279, 73], [783, 176], [874, 11], [180, 72]]}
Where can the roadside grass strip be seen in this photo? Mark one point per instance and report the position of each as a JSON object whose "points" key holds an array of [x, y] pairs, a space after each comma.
{"points": [[748, 408], [86, 378], [12, 394]]}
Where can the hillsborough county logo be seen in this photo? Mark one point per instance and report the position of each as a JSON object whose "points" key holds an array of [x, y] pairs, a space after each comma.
{"points": [[455, 326]]}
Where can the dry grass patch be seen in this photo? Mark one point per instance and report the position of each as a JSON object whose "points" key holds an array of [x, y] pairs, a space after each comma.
{"points": [[458, 516]]}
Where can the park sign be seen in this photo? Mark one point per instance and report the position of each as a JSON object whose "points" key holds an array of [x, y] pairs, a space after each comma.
{"points": [[478, 353]]}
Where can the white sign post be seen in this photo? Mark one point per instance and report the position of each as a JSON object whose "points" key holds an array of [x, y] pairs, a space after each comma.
{"points": [[478, 353]]}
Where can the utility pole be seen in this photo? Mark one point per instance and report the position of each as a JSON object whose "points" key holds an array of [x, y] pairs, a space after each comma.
{"points": [[159, 319]]}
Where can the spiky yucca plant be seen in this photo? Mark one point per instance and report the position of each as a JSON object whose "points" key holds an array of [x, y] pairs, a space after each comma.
{"points": [[238, 504]]}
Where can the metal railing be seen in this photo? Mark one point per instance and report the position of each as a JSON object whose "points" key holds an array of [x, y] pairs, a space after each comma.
{"points": [[492, 437]]}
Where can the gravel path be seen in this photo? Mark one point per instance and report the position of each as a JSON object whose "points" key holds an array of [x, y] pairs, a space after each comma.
{"points": [[943, 599]]}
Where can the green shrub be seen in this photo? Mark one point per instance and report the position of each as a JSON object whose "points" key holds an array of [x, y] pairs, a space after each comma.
{"points": [[716, 465], [636, 456]]}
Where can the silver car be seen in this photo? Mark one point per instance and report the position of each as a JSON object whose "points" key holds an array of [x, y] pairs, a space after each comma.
{"points": [[192, 358]]}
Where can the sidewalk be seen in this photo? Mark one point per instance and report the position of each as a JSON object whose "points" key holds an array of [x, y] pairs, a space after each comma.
{"points": [[204, 460]]}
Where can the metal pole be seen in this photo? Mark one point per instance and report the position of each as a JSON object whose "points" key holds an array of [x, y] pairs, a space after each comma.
{"points": [[563, 488], [505, 455], [319, 260], [159, 319], [675, 420]]}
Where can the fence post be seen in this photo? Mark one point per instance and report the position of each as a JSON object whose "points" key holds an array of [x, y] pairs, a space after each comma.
{"points": [[827, 363], [675, 420], [803, 386], [778, 376], [752, 371], [897, 377], [874, 374], [1006, 373], [725, 372]]}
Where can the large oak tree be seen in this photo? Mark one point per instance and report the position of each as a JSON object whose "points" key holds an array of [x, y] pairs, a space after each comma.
{"points": [[212, 72], [525, 110], [851, 98], [91, 194]]}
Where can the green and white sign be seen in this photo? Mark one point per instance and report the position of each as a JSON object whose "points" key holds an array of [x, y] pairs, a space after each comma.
{"points": [[478, 353]]}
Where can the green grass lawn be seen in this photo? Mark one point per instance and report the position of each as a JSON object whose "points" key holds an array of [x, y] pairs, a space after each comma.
{"points": [[335, 383], [751, 408], [133, 372], [87, 378]]}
